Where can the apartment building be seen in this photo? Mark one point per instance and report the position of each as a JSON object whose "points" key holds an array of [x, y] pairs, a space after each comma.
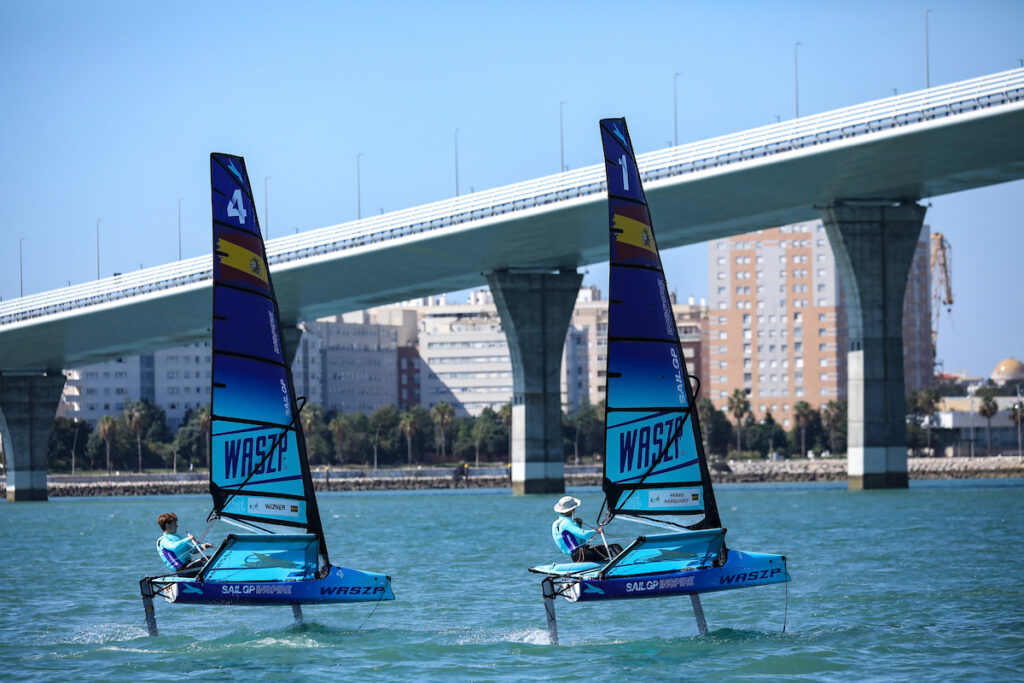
{"points": [[777, 327], [177, 380]]}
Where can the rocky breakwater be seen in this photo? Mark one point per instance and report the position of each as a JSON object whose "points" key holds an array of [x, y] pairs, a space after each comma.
{"points": [[834, 469]]}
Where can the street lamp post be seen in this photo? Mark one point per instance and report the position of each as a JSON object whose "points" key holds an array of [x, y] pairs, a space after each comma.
{"points": [[179, 228], [927, 65], [21, 281], [675, 112], [456, 162], [796, 81], [266, 212], [561, 139], [359, 190], [97, 248]]}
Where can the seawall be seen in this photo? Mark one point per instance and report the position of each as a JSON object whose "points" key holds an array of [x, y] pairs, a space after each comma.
{"points": [[737, 471]]}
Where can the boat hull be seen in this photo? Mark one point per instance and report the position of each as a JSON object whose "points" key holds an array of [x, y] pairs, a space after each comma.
{"points": [[740, 570], [340, 585]]}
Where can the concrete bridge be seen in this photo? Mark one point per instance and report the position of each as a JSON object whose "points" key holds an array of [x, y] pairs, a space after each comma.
{"points": [[861, 169]]}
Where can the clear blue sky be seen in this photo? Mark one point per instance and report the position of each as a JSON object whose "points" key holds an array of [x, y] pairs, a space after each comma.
{"points": [[110, 109]]}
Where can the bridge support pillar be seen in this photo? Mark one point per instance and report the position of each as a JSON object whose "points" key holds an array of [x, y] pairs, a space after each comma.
{"points": [[874, 245], [535, 310], [28, 404], [292, 338]]}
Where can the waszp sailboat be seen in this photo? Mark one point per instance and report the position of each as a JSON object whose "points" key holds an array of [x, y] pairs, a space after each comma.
{"points": [[259, 476], [655, 469]]}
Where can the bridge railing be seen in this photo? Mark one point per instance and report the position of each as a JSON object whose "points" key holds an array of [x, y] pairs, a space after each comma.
{"points": [[914, 108]]}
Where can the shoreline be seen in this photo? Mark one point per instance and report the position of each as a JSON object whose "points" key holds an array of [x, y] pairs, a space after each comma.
{"points": [[737, 471]]}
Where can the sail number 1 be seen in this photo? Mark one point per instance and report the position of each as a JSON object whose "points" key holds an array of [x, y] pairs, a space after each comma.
{"points": [[625, 177], [236, 208]]}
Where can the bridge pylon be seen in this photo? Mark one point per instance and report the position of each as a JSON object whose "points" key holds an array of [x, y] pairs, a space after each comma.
{"points": [[873, 243], [28, 403], [535, 310]]}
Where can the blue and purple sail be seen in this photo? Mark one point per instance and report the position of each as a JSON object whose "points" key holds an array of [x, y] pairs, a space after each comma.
{"points": [[259, 475], [655, 469]]}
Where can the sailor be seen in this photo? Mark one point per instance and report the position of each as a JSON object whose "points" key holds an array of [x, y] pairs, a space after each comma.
{"points": [[176, 552], [571, 538]]}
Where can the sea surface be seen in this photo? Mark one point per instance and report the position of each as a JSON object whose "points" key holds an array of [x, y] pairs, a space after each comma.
{"points": [[919, 584]]}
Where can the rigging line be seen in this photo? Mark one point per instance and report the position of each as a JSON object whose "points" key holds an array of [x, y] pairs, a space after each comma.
{"points": [[375, 606], [785, 615], [273, 447]]}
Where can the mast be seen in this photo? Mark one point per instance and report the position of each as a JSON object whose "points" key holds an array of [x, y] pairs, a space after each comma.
{"points": [[655, 468], [259, 473]]}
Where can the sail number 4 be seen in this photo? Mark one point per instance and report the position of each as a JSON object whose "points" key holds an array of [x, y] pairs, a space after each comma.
{"points": [[236, 208]]}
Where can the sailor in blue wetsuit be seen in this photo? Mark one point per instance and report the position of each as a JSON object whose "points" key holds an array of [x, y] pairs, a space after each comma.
{"points": [[176, 552], [571, 538]]}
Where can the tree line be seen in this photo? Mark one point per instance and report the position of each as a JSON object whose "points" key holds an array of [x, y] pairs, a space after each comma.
{"points": [[139, 439]]}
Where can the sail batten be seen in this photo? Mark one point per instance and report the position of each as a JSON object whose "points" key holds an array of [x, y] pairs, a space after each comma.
{"points": [[259, 473], [655, 469]]}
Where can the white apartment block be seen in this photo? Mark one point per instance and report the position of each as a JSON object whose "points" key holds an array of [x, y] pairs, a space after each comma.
{"points": [[177, 380]]}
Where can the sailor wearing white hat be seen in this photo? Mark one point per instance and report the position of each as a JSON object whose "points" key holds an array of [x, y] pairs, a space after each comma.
{"points": [[571, 537]]}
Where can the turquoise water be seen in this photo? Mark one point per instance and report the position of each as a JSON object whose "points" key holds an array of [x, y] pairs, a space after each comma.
{"points": [[925, 584]]}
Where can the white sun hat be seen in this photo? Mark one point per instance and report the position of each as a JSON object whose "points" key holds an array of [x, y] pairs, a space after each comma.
{"points": [[567, 504]]}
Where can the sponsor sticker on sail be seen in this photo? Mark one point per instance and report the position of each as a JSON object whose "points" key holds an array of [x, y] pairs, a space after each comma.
{"points": [[272, 506], [661, 499]]}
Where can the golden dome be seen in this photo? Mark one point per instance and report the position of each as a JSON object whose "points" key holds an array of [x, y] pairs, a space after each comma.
{"points": [[1008, 370]]}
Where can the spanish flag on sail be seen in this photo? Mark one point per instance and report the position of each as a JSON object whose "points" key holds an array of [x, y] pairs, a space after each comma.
{"points": [[240, 259], [633, 241]]}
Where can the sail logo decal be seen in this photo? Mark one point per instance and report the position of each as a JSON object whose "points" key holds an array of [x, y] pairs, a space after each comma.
{"points": [[617, 132], [284, 399], [637, 446], [231, 167], [273, 331], [242, 455], [679, 374], [239, 261]]}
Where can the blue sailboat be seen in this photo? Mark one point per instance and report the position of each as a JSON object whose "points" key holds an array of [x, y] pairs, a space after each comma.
{"points": [[655, 468], [259, 477]]}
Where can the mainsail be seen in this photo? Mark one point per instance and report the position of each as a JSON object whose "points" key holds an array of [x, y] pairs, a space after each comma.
{"points": [[655, 469], [259, 474]]}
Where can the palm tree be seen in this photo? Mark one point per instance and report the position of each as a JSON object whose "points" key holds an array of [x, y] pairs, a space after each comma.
{"points": [[135, 423], [205, 419], [704, 410], [107, 431], [483, 427], [830, 420], [443, 415], [739, 407], [988, 410], [802, 413], [927, 404], [409, 428], [339, 430], [505, 415], [1017, 416]]}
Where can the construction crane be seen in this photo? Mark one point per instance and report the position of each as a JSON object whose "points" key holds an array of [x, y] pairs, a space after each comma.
{"points": [[942, 285]]}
